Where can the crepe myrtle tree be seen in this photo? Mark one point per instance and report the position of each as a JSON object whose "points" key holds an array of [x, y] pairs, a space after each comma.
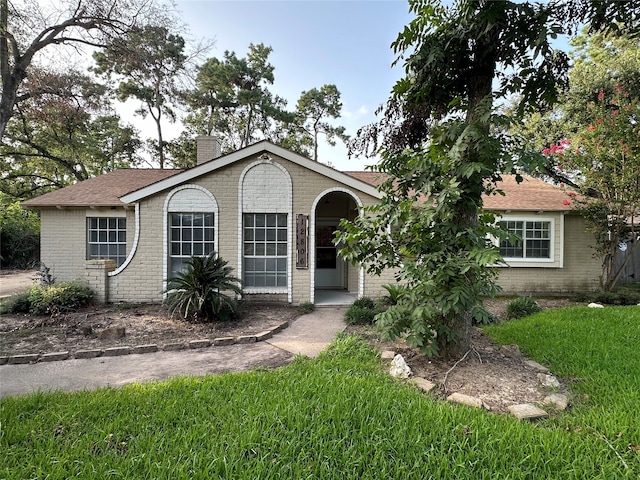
{"points": [[603, 156], [442, 148]]}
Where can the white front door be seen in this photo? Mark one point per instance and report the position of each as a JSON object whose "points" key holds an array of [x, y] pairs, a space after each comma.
{"points": [[329, 267]]}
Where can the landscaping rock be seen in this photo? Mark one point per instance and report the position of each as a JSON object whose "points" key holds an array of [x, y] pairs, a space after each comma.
{"points": [[536, 366], [145, 348], [527, 411], [22, 359], [557, 400], [512, 351], [387, 355], [54, 356], [199, 343], [399, 368], [112, 333], [246, 339], [116, 351], [4, 360], [174, 346], [467, 400], [88, 353], [548, 381], [224, 341], [267, 334], [595, 305], [423, 383]]}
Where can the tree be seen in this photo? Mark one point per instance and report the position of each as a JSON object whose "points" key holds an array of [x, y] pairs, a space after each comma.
{"points": [[604, 154], [315, 105], [63, 135], [231, 98], [149, 60], [442, 148], [590, 142], [29, 28]]}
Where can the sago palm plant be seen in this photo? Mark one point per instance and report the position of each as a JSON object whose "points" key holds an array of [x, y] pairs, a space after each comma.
{"points": [[204, 291]]}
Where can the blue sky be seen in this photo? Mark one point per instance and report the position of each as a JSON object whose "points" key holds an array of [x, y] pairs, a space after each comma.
{"points": [[346, 43]]}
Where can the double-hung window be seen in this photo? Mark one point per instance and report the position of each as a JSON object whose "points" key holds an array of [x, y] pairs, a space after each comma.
{"points": [[191, 235], [529, 240], [265, 250], [107, 238]]}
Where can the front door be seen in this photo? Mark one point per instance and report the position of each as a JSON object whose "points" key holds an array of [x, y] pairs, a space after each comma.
{"points": [[329, 267]]}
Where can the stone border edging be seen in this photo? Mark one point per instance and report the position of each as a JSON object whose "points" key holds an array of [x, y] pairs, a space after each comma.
{"points": [[29, 358]]}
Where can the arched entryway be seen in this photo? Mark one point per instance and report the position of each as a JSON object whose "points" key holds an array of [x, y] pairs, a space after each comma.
{"points": [[335, 282]]}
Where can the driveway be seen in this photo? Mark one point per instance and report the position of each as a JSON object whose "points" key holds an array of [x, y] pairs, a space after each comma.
{"points": [[15, 281]]}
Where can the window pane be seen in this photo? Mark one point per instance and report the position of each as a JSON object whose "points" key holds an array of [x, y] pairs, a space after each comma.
{"points": [[248, 234], [282, 265], [198, 249], [175, 234], [208, 248], [112, 223], [260, 235], [122, 237], [93, 223], [122, 223], [248, 220], [248, 249], [186, 249], [270, 264], [112, 236], [282, 220], [259, 249], [102, 223], [271, 220], [102, 236], [282, 249], [198, 233], [175, 219], [282, 235], [271, 249], [271, 235], [260, 220], [208, 234]]}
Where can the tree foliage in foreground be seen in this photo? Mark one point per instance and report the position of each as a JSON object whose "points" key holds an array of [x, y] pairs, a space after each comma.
{"points": [[441, 153]]}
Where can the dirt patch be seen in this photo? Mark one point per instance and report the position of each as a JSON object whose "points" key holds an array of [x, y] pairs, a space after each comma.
{"points": [[496, 374], [143, 325]]}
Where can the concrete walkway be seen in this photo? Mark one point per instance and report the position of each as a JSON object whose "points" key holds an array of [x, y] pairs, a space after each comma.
{"points": [[308, 335]]}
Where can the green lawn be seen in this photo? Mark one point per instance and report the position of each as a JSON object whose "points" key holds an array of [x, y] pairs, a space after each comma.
{"points": [[340, 416]]}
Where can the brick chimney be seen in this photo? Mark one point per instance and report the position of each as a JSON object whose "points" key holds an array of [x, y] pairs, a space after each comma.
{"points": [[208, 148]]}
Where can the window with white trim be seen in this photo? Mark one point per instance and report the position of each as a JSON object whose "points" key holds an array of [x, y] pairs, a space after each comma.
{"points": [[190, 235], [265, 249], [107, 238], [529, 240]]}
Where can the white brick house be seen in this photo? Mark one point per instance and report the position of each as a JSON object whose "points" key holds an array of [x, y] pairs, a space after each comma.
{"points": [[271, 213]]}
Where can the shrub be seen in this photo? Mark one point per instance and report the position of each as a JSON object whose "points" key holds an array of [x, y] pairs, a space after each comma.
{"points": [[54, 299], [361, 312], [364, 302], [522, 307], [197, 293], [617, 296], [18, 303], [307, 307], [19, 236], [395, 293]]}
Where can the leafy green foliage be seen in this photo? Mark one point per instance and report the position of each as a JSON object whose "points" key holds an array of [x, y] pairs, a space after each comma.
{"points": [[198, 293], [307, 307], [361, 312], [19, 236], [615, 296], [58, 298], [443, 146], [64, 133], [522, 307], [18, 303]]}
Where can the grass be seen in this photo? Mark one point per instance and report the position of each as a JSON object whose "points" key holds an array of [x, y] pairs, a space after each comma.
{"points": [[340, 416]]}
